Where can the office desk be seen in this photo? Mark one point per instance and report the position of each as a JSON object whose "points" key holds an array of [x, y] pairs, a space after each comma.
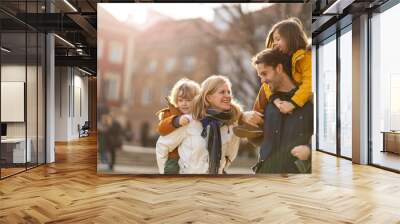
{"points": [[391, 141], [13, 150]]}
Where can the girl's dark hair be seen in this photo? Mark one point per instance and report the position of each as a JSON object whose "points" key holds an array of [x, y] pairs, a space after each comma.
{"points": [[291, 30]]}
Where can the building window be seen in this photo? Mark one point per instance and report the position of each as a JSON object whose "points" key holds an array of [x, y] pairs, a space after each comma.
{"points": [[170, 64], [394, 102], [189, 62], [327, 96], [131, 97], [112, 85], [164, 93], [346, 74], [226, 64], [146, 97], [385, 88], [247, 67], [116, 52], [261, 31], [152, 66]]}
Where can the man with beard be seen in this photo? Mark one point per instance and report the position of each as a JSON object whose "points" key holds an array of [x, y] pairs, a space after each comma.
{"points": [[285, 146]]}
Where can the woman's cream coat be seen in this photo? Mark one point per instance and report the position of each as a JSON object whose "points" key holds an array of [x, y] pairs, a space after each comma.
{"points": [[192, 149]]}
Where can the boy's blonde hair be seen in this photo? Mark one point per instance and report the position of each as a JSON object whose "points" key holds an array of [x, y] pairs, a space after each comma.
{"points": [[208, 87], [292, 31], [184, 88]]}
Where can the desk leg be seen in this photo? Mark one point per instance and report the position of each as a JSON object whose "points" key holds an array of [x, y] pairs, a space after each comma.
{"points": [[384, 142]]}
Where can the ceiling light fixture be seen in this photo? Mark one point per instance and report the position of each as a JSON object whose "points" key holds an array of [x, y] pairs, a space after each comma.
{"points": [[84, 71], [71, 6], [5, 50], [64, 40], [337, 7]]}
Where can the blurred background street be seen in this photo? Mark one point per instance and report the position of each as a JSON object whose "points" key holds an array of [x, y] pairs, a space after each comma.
{"points": [[144, 49], [137, 159]]}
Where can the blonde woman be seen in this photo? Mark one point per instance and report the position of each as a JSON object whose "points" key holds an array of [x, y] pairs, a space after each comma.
{"points": [[207, 145]]}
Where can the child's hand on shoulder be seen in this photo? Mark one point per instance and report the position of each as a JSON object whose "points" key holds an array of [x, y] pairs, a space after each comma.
{"points": [[285, 107], [278, 102], [184, 120]]}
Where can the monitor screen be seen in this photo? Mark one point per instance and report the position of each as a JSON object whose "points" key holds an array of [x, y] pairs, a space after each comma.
{"points": [[3, 129]]}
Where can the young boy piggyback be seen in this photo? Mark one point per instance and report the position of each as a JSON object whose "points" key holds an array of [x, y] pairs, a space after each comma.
{"points": [[176, 115]]}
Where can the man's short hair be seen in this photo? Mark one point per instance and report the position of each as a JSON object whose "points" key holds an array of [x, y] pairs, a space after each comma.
{"points": [[273, 57]]}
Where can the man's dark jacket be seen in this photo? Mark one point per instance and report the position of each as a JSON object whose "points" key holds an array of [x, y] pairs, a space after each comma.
{"points": [[283, 132]]}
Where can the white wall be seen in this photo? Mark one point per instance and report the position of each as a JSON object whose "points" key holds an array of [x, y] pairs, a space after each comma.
{"points": [[80, 84], [12, 73], [71, 87], [61, 103]]}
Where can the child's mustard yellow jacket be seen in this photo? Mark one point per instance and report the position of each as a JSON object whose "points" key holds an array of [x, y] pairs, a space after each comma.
{"points": [[165, 126], [301, 73]]}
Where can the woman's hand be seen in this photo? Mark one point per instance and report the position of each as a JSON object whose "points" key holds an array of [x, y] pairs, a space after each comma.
{"points": [[302, 152], [184, 120], [252, 118]]}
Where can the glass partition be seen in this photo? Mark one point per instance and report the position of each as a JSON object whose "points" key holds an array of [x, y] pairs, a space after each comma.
{"points": [[41, 91], [14, 151], [22, 88], [32, 95]]}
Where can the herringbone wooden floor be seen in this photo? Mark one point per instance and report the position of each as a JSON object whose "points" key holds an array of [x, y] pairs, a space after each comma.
{"points": [[70, 191]]}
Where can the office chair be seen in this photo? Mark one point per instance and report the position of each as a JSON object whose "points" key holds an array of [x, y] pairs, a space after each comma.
{"points": [[84, 130]]}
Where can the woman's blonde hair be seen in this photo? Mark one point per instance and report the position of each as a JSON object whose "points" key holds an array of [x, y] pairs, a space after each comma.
{"points": [[292, 31], [208, 87], [184, 88]]}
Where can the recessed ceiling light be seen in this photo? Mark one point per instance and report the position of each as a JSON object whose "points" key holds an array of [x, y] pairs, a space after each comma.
{"points": [[71, 6], [337, 7], [64, 40], [84, 71]]}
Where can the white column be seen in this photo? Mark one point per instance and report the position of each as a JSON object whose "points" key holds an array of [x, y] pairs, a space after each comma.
{"points": [[50, 92], [50, 99]]}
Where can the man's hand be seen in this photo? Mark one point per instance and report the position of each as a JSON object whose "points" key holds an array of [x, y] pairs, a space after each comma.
{"points": [[302, 152], [184, 120], [285, 107], [253, 118]]}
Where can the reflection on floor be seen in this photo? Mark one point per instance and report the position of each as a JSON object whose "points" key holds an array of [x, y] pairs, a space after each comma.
{"points": [[10, 171], [13, 169], [387, 159]]}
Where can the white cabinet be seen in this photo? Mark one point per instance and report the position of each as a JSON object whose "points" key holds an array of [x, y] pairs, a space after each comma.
{"points": [[18, 149]]}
